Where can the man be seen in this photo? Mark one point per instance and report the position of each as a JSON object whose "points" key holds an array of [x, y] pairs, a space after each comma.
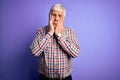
{"points": [[55, 45]]}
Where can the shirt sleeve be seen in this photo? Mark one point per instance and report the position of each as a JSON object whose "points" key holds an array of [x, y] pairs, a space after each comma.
{"points": [[70, 44], [40, 42]]}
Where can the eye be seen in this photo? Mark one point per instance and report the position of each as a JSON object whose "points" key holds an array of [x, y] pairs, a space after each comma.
{"points": [[60, 15], [54, 14]]}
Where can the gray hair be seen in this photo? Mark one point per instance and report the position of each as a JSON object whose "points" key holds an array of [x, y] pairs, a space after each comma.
{"points": [[58, 7]]}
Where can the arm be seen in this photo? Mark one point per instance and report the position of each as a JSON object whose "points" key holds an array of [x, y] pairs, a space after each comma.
{"points": [[40, 42], [70, 45]]}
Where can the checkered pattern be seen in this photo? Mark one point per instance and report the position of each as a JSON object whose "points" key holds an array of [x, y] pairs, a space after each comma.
{"points": [[55, 54]]}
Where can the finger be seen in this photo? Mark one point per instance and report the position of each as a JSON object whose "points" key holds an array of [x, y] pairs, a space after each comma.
{"points": [[59, 22], [50, 21], [50, 17]]}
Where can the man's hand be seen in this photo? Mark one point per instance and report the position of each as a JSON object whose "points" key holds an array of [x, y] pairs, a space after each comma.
{"points": [[51, 26], [59, 28]]}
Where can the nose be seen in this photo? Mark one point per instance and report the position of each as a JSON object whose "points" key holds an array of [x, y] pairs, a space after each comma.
{"points": [[56, 17]]}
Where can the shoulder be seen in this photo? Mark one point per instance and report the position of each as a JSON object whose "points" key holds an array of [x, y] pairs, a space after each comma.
{"points": [[69, 29], [41, 30]]}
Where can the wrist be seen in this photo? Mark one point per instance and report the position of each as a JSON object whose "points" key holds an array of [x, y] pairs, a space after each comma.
{"points": [[58, 34], [51, 32]]}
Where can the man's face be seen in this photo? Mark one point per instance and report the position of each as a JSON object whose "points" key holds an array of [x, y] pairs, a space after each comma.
{"points": [[57, 16]]}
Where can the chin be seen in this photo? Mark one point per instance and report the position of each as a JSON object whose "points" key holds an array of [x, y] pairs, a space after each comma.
{"points": [[55, 24]]}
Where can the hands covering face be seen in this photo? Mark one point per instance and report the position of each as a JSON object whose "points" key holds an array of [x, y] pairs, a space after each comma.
{"points": [[55, 23], [51, 25]]}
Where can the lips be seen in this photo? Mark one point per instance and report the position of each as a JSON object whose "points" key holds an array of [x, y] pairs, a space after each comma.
{"points": [[55, 22]]}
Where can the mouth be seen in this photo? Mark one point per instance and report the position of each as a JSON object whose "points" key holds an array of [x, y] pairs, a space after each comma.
{"points": [[55, 22]]}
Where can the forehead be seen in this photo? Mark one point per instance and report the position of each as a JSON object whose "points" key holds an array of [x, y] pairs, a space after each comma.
{"points": [[57, 12]]}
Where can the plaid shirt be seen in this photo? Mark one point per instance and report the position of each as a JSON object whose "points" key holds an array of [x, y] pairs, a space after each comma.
{"points": [[55, 54]]}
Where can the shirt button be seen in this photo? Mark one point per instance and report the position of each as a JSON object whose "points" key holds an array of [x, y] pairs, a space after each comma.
{"points": [[57, 66], [56, 56]]}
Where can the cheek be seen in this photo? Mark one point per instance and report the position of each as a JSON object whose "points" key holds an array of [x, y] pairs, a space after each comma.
{"points": [[62, 19], [54, 17]]}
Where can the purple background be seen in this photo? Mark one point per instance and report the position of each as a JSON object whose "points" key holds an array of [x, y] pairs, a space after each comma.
{"points": [[96, 24]]}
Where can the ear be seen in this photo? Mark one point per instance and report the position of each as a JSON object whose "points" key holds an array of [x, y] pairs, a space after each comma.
{"points": [[63, 18]]}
